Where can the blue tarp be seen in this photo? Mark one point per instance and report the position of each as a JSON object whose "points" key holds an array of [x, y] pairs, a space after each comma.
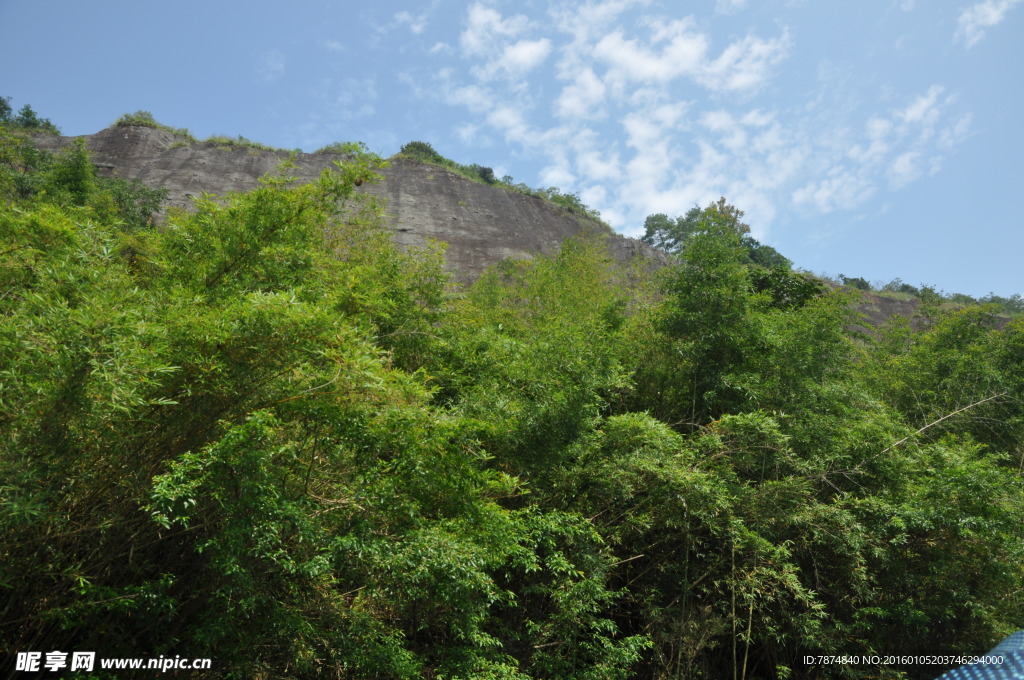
{"points": [[1005, 661]]}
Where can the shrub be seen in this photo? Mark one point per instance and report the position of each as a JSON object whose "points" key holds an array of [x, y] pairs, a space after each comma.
{"points": [[350, 148], [855, 282], [139, 118], [424, 151], [223, 141], [27, 119], [145, 119]]}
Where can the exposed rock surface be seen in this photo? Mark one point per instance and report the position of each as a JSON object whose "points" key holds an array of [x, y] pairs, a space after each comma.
{"points": [[878, 309], [481, 224]]}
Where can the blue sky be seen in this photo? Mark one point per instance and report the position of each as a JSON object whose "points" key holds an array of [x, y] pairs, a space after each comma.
{"points": [[878, 139]]}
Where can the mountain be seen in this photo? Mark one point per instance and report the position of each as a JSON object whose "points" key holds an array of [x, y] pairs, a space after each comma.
{"points": [[482, 224], [259, 453]]}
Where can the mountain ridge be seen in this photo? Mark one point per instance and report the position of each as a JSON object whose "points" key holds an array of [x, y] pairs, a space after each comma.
{"points": [[481, 224]]}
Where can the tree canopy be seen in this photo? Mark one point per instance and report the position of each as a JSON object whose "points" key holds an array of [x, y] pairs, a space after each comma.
{"points": [[262, 434], [673, 234], [26, 119]]}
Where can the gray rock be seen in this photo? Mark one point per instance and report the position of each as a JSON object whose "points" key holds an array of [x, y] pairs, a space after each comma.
{"points": [[481, 224]]}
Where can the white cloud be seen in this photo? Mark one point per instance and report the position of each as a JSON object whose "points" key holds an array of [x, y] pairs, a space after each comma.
{"points": [[974, 20], [745, 64], [469, 133], [730, 131], [342, 102], [416, 22], [582, 98], [477, 99], [494, 42], [876, 146], [956, 133], [892, 147], [842, 188], [643, 114], [270, 65], [525, 54], [335, 46], [510, 120], [583, 21], [729, 6], [678, 50], [599, 167], [674, 49], [557, 175], [646, 128], [924, 108], [516, 60], [355, 98], [905, 169], [485, 28]]}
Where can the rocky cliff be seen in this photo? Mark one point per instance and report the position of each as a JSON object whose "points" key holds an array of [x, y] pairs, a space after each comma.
{"points": [[481, 224]]}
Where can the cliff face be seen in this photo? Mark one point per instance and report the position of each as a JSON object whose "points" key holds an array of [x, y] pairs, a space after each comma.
{"points": [[481, 224]]}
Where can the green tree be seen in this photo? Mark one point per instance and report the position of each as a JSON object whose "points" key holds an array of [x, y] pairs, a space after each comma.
{"points": [[228, 443], [71, 178], [706, 318], [21, 165], [139, 118], [263, 434], [28, 120], [671, 235], [855, 282], [422, 150]]}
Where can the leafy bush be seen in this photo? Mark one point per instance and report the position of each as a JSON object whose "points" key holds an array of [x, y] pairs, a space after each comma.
{"points": [[855, 282], [1012, 305], [239, 142], [26, 119], [241, 405], [139, 118], [898, 285], [424, 152], [484, 173], [263, 434], [673, 234], [347, 148], [145, 119]]}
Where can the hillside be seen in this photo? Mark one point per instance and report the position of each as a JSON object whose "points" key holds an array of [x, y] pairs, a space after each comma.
{"points": [[267, 442], [481, 224]]}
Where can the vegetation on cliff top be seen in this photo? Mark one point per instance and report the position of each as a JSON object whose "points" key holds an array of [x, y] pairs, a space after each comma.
{"points": [[424, 152], [262, 434], [145, 119], [26, 120]]}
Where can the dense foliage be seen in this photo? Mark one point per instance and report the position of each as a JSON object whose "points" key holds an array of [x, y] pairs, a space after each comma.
{"points": [[145, 119], [261, 434], [1011, 306], [26, 120], [672, 235]]}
